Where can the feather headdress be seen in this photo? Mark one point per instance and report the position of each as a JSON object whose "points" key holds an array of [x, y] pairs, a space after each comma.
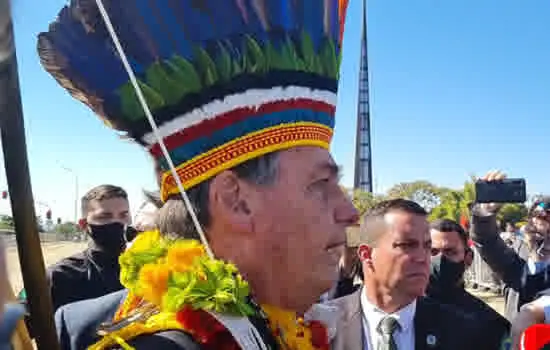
{"points": [[226, 80]]}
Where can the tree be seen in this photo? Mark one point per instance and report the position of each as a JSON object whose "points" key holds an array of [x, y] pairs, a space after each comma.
{"points": [[512, 212], [450, 206], [454, 203], [68, 229], [364, 200], [6, 222], [423, 192]]}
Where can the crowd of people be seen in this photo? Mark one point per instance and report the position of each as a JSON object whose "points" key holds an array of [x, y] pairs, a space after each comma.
{"points": [[400, 266], [244, 244]]}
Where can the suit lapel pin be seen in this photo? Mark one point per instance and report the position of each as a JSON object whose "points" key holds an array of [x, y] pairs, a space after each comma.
{"points": [[431, 340]]}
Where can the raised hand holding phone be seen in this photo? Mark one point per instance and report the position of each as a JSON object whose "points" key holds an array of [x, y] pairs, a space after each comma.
{"points": [[488, 208]]}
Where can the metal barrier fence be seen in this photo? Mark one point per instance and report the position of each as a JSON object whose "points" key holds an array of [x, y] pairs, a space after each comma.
{"points": [[480, 275], [9, 238]]}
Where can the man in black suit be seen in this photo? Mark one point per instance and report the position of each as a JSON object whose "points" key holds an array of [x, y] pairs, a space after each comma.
{"points": [[450, 258], [390, 311]]}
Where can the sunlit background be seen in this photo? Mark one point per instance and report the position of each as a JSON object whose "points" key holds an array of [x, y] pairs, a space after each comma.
{"points": [[457, 87]]}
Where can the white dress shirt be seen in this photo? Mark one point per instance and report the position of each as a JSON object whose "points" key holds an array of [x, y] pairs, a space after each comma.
{"points": [[372, 316]]}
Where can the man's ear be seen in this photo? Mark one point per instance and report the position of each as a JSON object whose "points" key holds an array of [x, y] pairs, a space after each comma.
{"points": [[469, 257], [364, 252], [83, 224], [229, 201]]}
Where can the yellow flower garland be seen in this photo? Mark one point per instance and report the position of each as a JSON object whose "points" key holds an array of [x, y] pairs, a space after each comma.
{"points": [[290, 330], [171, 274]]}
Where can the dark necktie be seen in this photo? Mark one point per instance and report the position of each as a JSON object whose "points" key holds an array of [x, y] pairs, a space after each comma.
{"points": [[386, 328]]}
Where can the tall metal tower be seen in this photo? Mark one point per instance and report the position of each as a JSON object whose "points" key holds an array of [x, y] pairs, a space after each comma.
{"points": [[363, 160]]}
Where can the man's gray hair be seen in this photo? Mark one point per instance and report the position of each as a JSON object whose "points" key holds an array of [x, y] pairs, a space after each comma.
{"points": [[173, 219]]}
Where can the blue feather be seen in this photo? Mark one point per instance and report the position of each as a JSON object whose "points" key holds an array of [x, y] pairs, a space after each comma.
{"points": [[154, 30], [133, 32], [313, 12], [334, 25], [281, 15], [69, 34]]}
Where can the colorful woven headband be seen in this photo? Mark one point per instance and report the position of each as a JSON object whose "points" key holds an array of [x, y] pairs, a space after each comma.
{"points": [[226, 80]]}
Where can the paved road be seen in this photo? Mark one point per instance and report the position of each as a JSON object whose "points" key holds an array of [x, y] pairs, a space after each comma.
{"points": [[52, 252]]}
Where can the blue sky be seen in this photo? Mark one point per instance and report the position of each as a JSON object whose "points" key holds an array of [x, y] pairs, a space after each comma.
{"points": [[457, 87]]}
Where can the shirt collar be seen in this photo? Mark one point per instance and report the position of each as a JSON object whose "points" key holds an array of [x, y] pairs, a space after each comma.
{"points": [[373, 315]]}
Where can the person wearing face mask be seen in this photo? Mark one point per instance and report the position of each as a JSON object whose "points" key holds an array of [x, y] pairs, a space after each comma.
{"points": [[95, 271], [451, 256], [524, 269]]}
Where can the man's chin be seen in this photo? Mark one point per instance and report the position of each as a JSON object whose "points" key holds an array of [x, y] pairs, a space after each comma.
{"points": [[416, 288]]}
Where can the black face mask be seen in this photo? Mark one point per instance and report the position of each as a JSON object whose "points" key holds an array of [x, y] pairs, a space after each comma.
{"points": [[110, 237], [445, 274]]}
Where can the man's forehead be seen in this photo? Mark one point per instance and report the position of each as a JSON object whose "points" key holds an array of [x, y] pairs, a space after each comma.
{"points": [[312, 160], [445, 238], [108, 205], [407, 226], [402, 218]]}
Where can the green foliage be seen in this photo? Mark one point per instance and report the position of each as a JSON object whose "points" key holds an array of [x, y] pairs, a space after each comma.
{"points": [[166, 82], [423, 192], [6, 222], [67, 228], [364, 201], [450, 207], [441, 202], [512, 212]]}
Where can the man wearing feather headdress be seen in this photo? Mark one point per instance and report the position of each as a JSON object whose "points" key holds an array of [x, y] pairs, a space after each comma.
{"points": [[243, 93]]}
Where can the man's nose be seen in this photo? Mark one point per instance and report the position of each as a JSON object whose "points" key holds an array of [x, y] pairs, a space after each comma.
{"points": [[347, 213]]}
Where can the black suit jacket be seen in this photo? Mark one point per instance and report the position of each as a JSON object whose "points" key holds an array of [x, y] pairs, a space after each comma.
{"points": [[495, 326], [437, 326], [87, 275], [77, 323]]}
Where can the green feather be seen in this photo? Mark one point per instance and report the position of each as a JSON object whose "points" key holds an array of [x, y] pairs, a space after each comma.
{"points": [[129, 102], [274, 59], [223, 62], [256, 58], [166, 83], [329, 59], [288, 56], [308, 54], [206, 67], [191, 77], [159, 79]]}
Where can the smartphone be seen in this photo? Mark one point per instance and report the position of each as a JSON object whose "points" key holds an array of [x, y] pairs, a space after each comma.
{"points": [[503, 191]]}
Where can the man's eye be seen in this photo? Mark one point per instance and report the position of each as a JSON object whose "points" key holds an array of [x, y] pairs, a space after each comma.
{"points": [[405, 245]]}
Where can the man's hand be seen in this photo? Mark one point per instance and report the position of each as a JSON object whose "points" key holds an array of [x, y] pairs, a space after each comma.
{"points": [[485, 209]]}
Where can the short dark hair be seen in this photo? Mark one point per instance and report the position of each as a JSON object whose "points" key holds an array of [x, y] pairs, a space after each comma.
{"points": [[448, 225], [173, 218], [100, 193], [370, 230], [397, 204]]}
